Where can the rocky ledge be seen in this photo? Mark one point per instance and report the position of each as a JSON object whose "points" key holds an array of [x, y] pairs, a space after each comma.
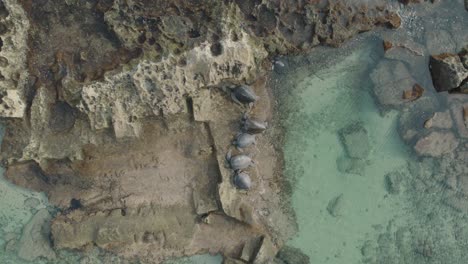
{"points": [[120, 111]]}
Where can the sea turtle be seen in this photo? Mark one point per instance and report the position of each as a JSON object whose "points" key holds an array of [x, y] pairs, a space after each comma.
{"points": [[243, 94], [239, 162], [242, 180], [244, 140], [253, 126]]}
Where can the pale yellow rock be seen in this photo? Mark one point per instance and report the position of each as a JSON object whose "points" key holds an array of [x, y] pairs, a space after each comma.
{"points": [[266, 252], [11, 104], [13, 66], [155, 88]]}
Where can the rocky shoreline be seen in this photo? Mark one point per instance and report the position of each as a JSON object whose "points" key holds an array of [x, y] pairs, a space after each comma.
{"points": [[120, 111]]}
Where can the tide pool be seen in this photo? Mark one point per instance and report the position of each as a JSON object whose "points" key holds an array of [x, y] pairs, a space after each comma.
{"points": [[327, 98]]}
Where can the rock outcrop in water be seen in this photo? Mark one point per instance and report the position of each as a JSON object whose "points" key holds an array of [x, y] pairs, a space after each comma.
{"points": [[448, 72], [34, 242], [116, 110]]}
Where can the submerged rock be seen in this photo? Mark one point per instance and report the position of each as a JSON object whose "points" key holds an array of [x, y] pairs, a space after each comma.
{"points": [[228, 260], [31, 202], [440, 120], [34, 242], [458, 113], [292, 255], [391, 79], [351, 165], [413, 119], [336, 206], [393, 182], [355, 140], [465, 115], [406, 2], [436, 144], [413, 94]]}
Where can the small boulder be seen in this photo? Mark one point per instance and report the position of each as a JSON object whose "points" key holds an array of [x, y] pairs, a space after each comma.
{"points": [[387, 45], [414, 93], [355, 140], [447, 71], [436, 144]]}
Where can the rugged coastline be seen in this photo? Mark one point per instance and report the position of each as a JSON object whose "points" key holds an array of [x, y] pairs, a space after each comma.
{"points": [[121, 113]]}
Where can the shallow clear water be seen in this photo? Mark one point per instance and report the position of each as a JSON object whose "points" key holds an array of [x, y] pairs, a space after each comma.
{"points": [[346, 213], [330, 99], [334, 98]]}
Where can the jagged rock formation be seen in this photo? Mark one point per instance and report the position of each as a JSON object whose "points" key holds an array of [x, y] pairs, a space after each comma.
{"points": [[449, 72], [119, 112], [13, 74]]}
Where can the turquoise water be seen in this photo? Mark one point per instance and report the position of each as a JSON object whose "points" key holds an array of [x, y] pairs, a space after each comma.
{"points": [[346, 210], [328, 100]]}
